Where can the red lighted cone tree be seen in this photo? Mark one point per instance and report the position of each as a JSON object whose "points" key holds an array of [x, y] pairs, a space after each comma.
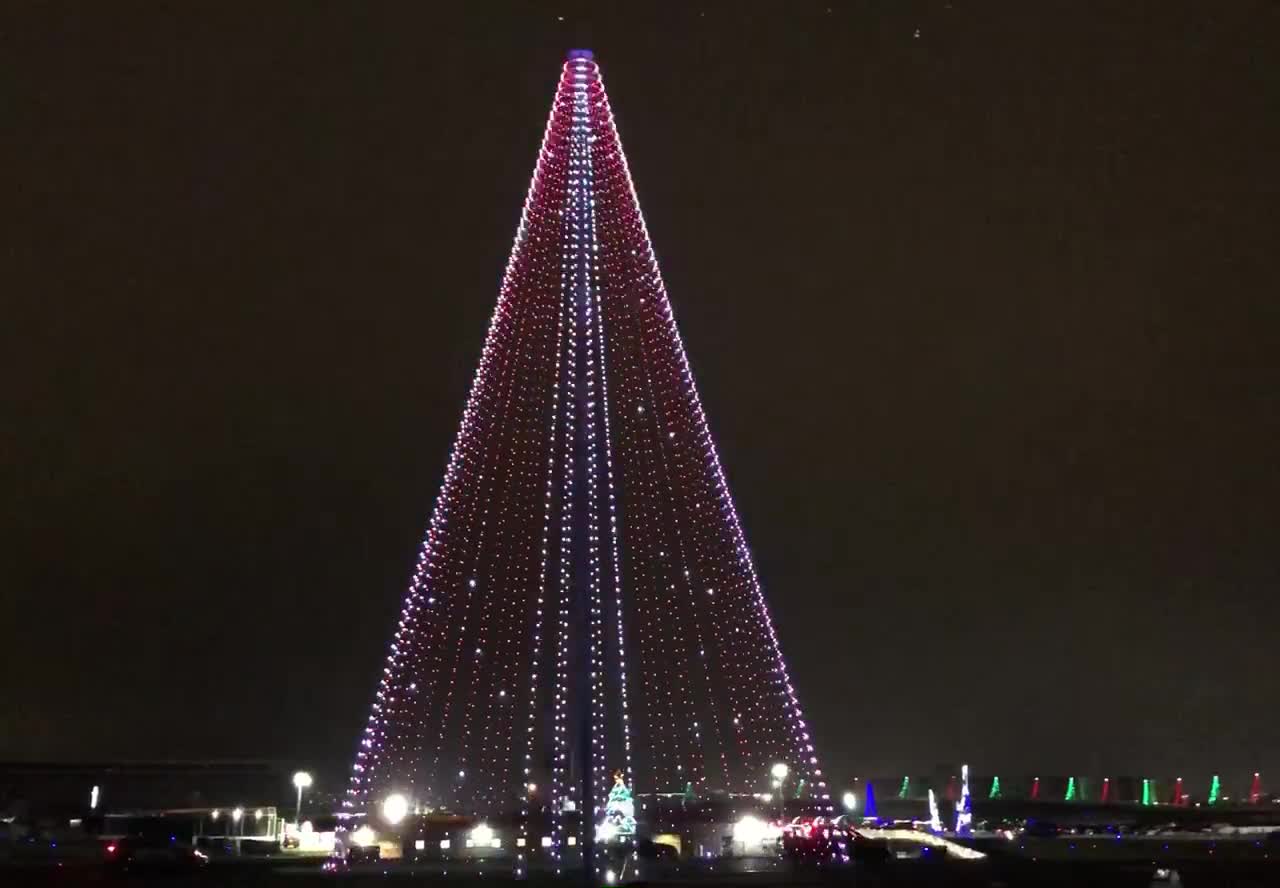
{"points": [[584, 599]]}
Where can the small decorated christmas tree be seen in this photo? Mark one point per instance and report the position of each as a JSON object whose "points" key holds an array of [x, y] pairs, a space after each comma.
{"points": [[619, 811]]}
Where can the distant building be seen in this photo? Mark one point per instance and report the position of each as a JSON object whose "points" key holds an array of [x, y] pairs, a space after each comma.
{"points": [[66, 788]]}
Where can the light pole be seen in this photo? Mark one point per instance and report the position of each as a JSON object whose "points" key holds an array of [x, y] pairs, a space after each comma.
{"points": [[301, 780], [780, 772]]}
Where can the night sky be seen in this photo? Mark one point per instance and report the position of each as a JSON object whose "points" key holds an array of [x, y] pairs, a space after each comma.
{"points": [[981, 299]]}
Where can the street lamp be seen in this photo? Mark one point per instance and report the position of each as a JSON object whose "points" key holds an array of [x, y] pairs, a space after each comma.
{"points": [[850, 801], [780, 772], [301, 780]]}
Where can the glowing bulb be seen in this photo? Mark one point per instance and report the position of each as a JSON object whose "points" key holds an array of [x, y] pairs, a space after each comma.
{"points": [[780, 771], [394, 808], [850, 801]]}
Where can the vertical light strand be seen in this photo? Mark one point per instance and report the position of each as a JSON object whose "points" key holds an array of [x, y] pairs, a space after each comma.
{"points": [[624, 716], [560, 767], [800, 733], [367, 768], [486, 566], [536, 646], [632, 301], [685, 720], [553, 154], [584, 237]]}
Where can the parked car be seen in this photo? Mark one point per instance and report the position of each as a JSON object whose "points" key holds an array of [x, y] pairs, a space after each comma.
{"points": [[363, 853]]}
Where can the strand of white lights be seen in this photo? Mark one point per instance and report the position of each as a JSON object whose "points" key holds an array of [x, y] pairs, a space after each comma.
{"points": [[583, 303], [583, 282], [640, 551], [670, 442], [661, 741], [560, 751], [698, 649], [624, 716], [560, 766], [799, 728], [469, 592], [497, 694], [745, 705], [370, 756], [551, 155], [667, 720], [643, 548], [588, 249], [548, 498], [656, 279], [679, 650], [483, 570], [663, 717], [508, 536]]}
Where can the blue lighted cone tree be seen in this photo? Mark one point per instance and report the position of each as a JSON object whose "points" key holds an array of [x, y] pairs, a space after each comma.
{"points": [[964, 807], [584, 599]]}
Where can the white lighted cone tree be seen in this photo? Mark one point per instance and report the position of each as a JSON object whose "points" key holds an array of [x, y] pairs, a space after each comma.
{"points": [[584, 600]]}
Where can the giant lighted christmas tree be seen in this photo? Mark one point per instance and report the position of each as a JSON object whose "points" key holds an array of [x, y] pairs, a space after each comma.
{"points": [[584, 599]]}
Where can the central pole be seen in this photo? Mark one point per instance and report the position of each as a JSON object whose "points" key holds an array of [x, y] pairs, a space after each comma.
{"points": [[581, 202]]}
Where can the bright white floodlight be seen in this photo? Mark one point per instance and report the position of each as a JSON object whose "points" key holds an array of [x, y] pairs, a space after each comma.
{"points": [[394, 808]]}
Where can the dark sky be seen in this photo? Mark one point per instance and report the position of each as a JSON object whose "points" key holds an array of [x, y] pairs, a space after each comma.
{"points": [[981, 297]]}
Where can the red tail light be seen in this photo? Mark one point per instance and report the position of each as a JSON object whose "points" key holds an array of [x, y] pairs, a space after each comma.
{"points": [[111, 849]]}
